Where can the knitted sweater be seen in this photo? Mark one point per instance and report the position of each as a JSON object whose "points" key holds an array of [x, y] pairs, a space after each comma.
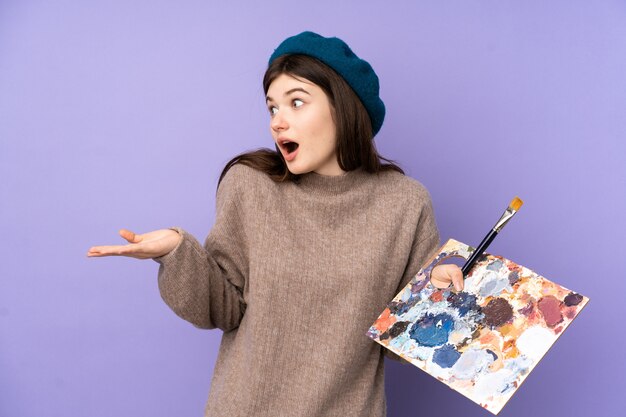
{"points": [[295, 274]]}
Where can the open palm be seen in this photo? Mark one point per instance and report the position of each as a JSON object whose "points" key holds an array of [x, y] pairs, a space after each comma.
{"points": [[144, 246]]}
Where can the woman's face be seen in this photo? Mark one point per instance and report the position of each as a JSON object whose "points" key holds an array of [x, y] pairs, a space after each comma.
{"points": [[302, 126]]}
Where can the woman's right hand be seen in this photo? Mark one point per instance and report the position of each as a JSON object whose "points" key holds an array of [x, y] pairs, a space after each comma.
{"points": [[148, 245]]}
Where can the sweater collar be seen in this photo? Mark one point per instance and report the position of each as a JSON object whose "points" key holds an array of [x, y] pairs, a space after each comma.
{"points": [[333, 184]]}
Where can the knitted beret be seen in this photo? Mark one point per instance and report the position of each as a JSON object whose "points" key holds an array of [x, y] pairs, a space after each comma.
{"points": [[335, 53]]}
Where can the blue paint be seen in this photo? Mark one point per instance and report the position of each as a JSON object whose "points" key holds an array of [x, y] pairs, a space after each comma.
{"points": [[446, 356], [463, 302], [419, 285], [398, 308], [495, 265], [432, 330]]}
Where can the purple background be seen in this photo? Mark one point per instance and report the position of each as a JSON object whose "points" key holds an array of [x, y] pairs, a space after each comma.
{"points": [[122, 114]]}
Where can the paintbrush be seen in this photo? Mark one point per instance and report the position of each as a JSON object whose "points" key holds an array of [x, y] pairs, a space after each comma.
{"points": [[510, 211]]}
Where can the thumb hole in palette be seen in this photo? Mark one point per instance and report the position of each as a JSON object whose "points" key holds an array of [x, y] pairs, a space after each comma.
{"points": [[454, 259]]}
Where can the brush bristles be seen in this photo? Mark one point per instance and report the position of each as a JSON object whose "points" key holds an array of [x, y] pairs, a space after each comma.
{"points": [[516, 203]]}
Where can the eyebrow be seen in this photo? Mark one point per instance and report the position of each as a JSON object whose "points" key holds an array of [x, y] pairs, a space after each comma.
{"points": [[293, 90]]}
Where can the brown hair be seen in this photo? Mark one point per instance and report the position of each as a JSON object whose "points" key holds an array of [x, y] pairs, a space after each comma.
{"points": [[355, 145]]}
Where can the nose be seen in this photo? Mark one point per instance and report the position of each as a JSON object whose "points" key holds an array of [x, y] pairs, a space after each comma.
{"points": [[279, 122]]}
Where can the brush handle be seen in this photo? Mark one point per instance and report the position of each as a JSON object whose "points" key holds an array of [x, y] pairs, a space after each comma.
{"points": [[478, 252]]}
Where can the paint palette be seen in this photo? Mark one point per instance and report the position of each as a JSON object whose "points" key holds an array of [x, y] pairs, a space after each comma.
{"points": [[484, 341]]}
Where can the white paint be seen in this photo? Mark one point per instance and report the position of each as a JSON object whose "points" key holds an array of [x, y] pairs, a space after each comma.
{"points": [[535, 341], [471, 363], [520, 365], [489, 386], [492, 284]]}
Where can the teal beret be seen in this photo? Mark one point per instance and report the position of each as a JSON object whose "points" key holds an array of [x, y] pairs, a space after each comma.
{"points": [[335, 53]]}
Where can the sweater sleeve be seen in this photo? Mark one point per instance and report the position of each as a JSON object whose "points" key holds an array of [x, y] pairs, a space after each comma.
{"points": [[425, 244], [204, 284]]}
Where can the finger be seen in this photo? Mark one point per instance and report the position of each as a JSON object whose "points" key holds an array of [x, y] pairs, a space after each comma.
{"points": [[100, 251], [456, 275], [130, 236], [114, 250]]}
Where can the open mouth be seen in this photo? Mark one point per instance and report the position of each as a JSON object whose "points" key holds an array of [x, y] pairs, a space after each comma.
{"points": [[288, 146]]}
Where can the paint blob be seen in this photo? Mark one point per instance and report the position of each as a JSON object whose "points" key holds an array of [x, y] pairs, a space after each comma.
{"points": [[432, 330], [500, 381], [398, 328], [471, 363], [573, 299], [513, 277], [446, 356], [463, 302], [550, 308], [492, 283], [497, 312], [535, 341]]}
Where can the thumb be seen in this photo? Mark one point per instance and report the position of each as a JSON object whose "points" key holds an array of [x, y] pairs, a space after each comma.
{"points": [[456, 276], [130, 236]]}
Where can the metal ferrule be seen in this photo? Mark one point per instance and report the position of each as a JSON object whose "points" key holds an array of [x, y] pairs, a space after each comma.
{"points": [[508, 213]]}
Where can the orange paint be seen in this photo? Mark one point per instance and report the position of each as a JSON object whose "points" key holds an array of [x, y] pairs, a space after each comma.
{"points": [[436, 296], [510, 350], [488, 338], [505, 329], [384, 321]]}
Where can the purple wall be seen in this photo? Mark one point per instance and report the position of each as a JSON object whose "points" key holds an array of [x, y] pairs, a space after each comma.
{"points": [[121, 114]]}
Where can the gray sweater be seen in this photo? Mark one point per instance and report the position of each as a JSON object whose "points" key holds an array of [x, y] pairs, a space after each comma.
{"points": [[295, 274]]}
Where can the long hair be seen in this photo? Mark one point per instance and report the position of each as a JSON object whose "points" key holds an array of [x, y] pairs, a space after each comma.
{"points": [[355, 145]]}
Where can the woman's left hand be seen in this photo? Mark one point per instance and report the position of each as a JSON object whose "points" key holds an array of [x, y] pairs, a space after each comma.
{"points": [[442, 275]]}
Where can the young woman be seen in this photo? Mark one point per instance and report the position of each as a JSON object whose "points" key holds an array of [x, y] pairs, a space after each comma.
{"points": [[310, 243]]}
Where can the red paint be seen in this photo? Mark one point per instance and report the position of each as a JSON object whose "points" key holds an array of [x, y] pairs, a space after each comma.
{"points": [[384, 321], [550, 308], [436, 296]]}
